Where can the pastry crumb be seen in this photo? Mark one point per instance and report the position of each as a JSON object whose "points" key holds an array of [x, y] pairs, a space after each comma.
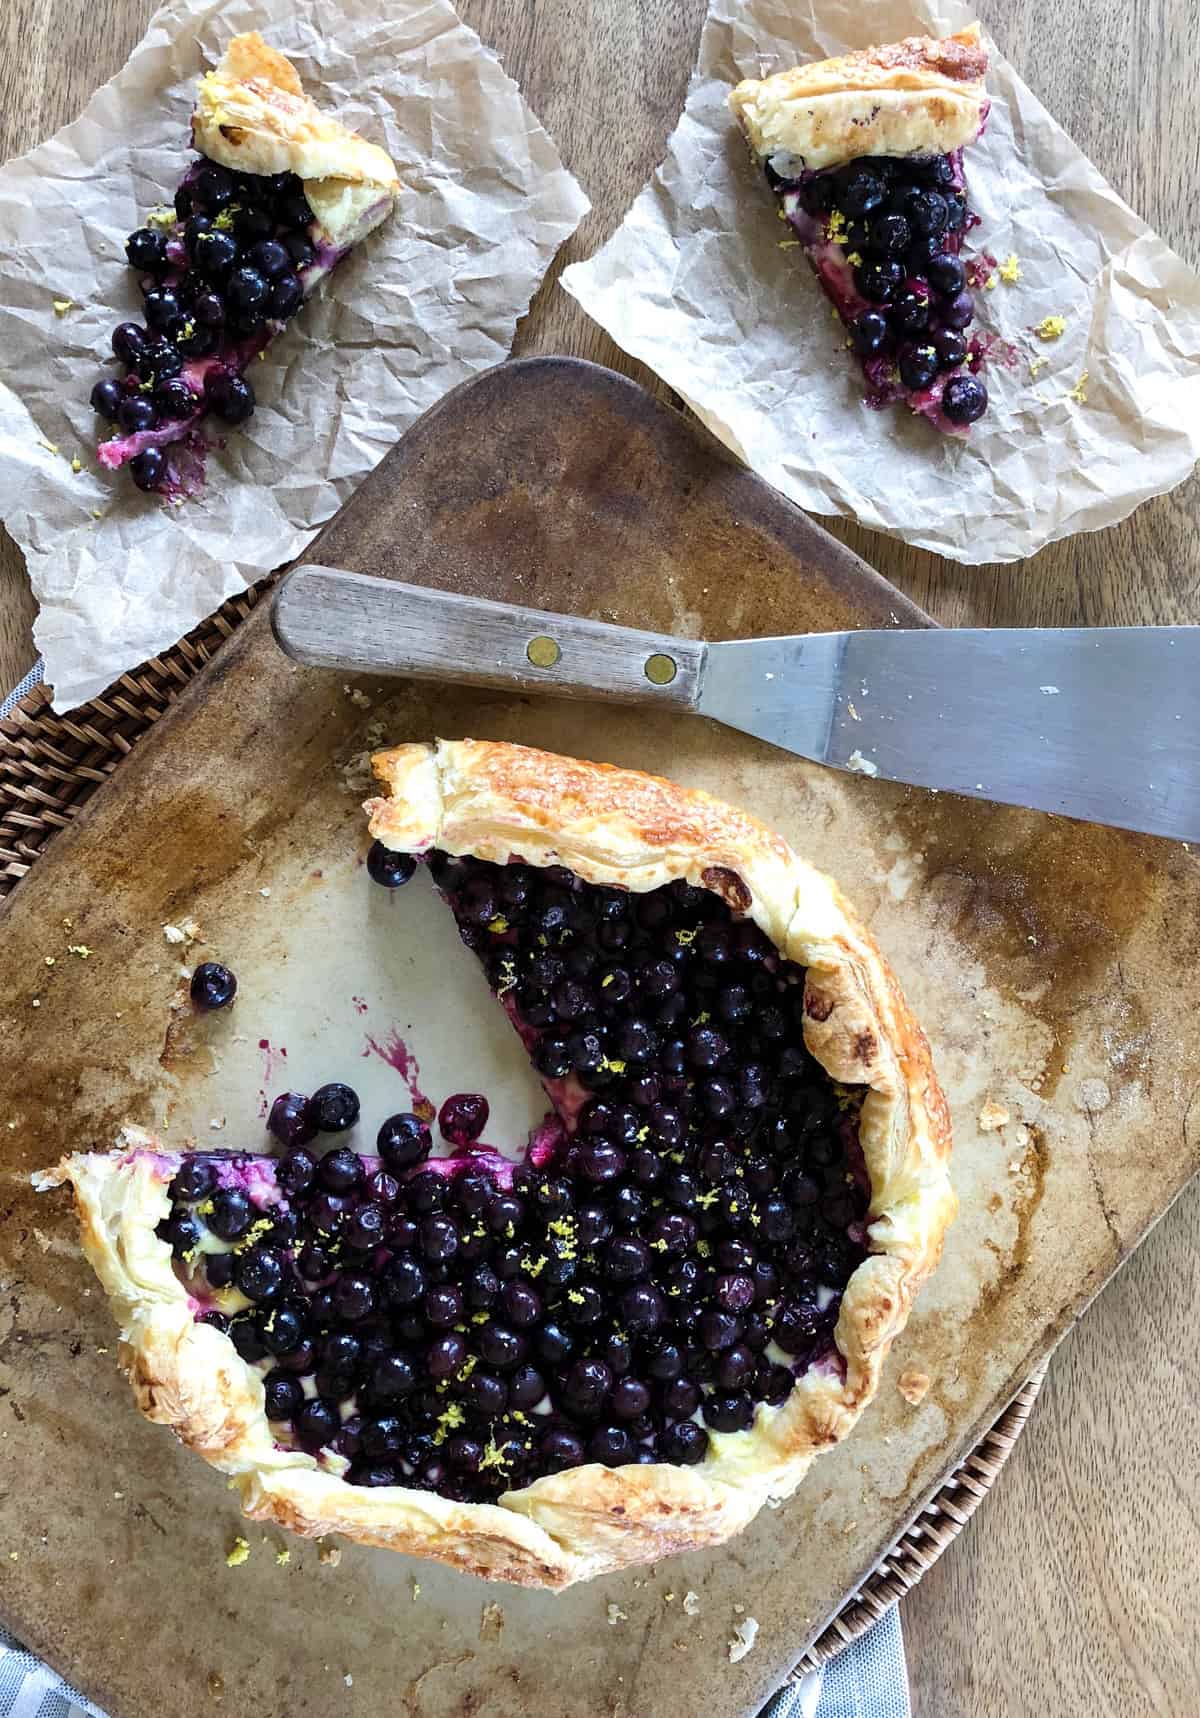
{"points": [[283, 1557], [1036, 366], [265, 893], [1051, 327], [993, 1115], [187, 932], [615, 1614], [62, 305], [416, 1590], [1079, 391], [491, 1621], [80, 950], [913, 1385], [1010, 270], [989, 284], [862, 766], [348, 1680], [50, 446], [358, 697], [744, 1635], [216, 1684], [329, 1554], [691, 1604], [238, 1552]]}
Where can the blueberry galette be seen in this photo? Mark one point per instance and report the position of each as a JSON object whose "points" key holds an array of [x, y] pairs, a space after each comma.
{"points": [[627, 1341], [865, 154], [279, 194]]}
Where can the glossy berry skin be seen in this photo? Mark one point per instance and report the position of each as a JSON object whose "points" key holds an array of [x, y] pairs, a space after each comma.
{"points": [[287, 295], [246, 291], [291, 1121], [463, 1117], [861, 193], [951, 348], [403, 1141], [269, 258], [147, 251], [335, 1107], [391, 870], [175, 400], [213, 985], [231, 397], [148, 469], [964, 400], [160, 307], [918, 365], [870, 333], [128, 339], [136, 412], [946, 273], [106, 396], [213, 252]]}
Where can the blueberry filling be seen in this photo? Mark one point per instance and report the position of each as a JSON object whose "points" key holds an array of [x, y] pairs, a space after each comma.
{"points": [[219, 281], [884, 236], [670, 1254]]}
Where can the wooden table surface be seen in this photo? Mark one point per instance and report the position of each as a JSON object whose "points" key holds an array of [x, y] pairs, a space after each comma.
{"points": [[1073, 1591]]}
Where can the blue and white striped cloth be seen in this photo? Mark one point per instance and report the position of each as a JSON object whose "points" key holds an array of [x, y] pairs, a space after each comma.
{"points": [[868, 1680]]}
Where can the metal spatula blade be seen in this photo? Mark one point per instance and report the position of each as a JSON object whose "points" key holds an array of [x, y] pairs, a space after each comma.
{"points": [[1096, 723]]}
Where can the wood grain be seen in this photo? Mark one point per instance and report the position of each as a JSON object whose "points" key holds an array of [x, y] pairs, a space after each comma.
{"points": [[1072, 1593]]}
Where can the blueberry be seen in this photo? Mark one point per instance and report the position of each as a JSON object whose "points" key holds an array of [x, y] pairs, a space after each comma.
{"points": [[956, 213], [389, 868], [733, 1412], [440, 1238], [128, 340], [252, 225], [926, 212], [364, 1228], [952, 349], [209, 308], [246, 291], [394, 1375], [918, 365], [291, 1122], [522, 1304], [869, 334], [585, 1387], [147, 251], [685, 1444], [317, 1424], [404, 1140], [213, 985], [281, 1330], [158, 362], [340, 1171], [956, 312], [889, 233], [194, 339], [283, 1395], [231, 1215], [611, 1445], [334, 1107], [212, 188], [463, 1117], [643, 1309], [214, 253], [183, 1232], [946, 273], [562, 1449], [878, 281], [161, 307], [230, 396], [909, 313], [965, 399], [299, 249], [106, 397], [861, 192], [259, 1273], [353, 1296], [175, 400], [485, 1393], [194, 1179], [403, 1281], [443, 1304], [292, 209], [270, 258]]}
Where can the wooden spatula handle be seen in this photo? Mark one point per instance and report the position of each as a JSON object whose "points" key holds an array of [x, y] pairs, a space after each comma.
{"points": [[331, 619]]}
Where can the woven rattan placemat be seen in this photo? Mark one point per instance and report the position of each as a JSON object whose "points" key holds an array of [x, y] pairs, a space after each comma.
{"points": [[50, 766]]}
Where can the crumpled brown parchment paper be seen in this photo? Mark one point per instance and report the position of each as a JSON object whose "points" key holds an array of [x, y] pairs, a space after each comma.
{"points": [[1079, 430], [430, 298]]}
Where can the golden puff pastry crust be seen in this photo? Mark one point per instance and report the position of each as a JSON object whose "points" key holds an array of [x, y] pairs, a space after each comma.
{"points": [[922, 96], [252, 116], [634, 831]]}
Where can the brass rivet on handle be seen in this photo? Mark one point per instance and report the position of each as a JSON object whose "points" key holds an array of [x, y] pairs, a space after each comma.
{"points": [[543, 652], [660, 670]]}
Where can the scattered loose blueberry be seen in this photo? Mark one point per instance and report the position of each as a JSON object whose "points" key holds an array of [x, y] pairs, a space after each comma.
{"points": [[389, 868], [213, 985], [335, 1107], [230, 396], [292, 1121], [463, 1117], [148, 468], [106, 398], [147, 251]]}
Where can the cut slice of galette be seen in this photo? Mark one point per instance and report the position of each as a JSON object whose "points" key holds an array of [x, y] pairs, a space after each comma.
{"points": [[625, 1343], [865, 154], [279, 194]]}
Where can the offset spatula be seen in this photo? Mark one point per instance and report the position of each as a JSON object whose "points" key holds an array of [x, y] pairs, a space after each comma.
{"points": [[1097, 723]]}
